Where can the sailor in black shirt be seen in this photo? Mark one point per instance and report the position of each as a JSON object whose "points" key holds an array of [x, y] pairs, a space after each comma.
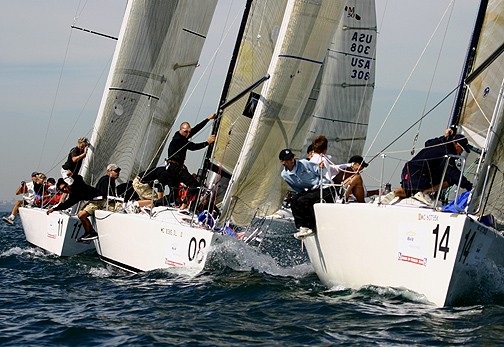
{"points": [[177, 150]]}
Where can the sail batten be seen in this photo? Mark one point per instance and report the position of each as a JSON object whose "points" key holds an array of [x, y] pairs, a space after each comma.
{"points": [[253, 53]]}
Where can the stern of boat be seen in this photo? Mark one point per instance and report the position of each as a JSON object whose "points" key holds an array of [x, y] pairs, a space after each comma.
{"points": [[426, 251]]}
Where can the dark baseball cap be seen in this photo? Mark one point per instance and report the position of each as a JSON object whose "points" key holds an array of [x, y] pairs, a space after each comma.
{"points": [[358, 159], [285, 154], [462, 140]]}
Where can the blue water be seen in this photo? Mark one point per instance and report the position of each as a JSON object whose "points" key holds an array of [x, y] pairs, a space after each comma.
{"points": [[245, 297]]}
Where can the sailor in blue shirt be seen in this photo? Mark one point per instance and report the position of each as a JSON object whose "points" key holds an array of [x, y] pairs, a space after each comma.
{"points": [[304, 175], [304, 178]]}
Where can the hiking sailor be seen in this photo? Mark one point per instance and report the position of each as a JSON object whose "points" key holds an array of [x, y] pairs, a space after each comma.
{"points": [[177, 150], [74, 160], [421, 175], [303, 177], [80, 191]]}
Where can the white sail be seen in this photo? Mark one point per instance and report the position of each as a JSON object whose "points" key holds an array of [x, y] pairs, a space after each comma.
{"points": [[158, 49], [482, 113], [252, 62], [304, 36], [344, 96]]}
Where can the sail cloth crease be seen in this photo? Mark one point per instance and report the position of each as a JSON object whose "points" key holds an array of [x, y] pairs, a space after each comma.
{"points": [[149, 76], [303, 39]]}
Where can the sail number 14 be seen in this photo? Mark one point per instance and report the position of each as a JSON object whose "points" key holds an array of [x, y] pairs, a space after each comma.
{"points": [[441, 243]]}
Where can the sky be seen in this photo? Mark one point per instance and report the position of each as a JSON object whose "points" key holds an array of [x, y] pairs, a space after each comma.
{"points": [[52, 77]]}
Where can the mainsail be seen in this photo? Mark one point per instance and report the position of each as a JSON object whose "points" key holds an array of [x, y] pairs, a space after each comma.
{"points": [[303, 38], [158, 49], [481, 116], [341, 102]]}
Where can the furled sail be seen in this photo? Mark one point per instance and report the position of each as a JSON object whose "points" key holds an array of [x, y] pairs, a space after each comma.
{"points": [[481, 116], [158, 49], [342, 100], [306, 30]]}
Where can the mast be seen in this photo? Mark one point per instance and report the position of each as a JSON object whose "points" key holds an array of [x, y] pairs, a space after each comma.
{"points": [[225, 88], [469, 63]]}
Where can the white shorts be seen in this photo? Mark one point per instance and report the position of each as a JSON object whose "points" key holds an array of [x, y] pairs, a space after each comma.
{"points": [[68, 180]]}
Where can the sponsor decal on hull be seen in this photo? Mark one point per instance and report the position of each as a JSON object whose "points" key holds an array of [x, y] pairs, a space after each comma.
{"points": [[413, 260], [173, 263]]}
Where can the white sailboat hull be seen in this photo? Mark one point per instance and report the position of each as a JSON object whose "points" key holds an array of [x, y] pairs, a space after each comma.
{"points": [[55, 233], [432, 253], [137, 242]]}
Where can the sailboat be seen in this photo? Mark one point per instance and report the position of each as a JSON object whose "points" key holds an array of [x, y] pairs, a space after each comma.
{"points": [[443, 256], [252, 176], [283, 43], [158, 49]]}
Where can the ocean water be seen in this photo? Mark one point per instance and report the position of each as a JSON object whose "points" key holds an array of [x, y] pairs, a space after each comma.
{"points": [[248, 297]]}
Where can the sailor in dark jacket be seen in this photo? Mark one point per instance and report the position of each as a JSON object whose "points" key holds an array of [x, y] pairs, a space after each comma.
{"points": [[79, 191], [423, 173], [177, 150]]}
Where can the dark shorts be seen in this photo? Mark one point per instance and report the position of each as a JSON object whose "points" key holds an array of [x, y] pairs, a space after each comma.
{"points": [[413, 182]]}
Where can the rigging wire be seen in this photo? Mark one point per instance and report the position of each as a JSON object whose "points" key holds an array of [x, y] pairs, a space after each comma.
{"points": [[78, 12], [432, 79], [223, 36], [54, 99], [412, 125], [87, 134], [404, 87]]}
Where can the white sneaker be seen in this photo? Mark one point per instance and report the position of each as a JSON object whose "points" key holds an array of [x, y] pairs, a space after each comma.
{"points": [[387, 199], [132, 207], [394, 200], [303, 232], [424, 198], [8, 220]]}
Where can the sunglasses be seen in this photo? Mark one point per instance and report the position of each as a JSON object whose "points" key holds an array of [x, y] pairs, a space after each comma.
{"points": [[186, 131]]}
